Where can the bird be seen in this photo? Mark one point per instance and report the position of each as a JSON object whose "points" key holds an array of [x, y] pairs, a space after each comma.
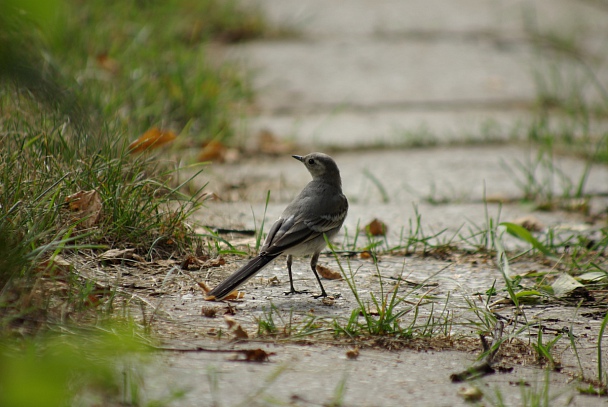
{"points": [[317, 213]]}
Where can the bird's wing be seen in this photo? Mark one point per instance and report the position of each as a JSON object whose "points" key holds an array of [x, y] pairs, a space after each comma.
{"points": [[329, 220], [294, 230], [287, 233]]}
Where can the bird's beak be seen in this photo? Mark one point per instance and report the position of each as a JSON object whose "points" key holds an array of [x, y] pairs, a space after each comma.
{"points": [[298, 157]]}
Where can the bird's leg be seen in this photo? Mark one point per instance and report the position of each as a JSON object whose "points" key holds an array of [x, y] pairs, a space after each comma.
{"points": [[292, 290], [313, 265]]}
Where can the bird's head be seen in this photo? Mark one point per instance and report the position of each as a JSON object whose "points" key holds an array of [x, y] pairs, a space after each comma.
{"points": [[321, 167]]}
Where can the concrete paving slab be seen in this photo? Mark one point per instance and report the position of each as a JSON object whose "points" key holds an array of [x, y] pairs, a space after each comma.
{"points": [[318, 18], [363, 73], [450, 174], [342, 128], [302, 76], [304, 378]]}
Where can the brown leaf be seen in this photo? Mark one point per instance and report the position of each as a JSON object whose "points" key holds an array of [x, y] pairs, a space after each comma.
{"points": [[119, 255], [55, 266], [213, 151], [470, 393], [235, 295], [365, 254], [240, 333], [166, 263], [107, 63], [218, 261], [256, 355], [353, 353], [189, 261], [230, 310], [328, 301], [231, 322], [236, 328], [328, 273], [209, 312], [269, 143], [210, 196], [205, 287], [151, 139], [92, 300], [87, 207], [376, 228]]}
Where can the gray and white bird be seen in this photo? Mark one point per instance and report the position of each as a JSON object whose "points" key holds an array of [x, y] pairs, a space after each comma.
{"points": [[318, 211]]}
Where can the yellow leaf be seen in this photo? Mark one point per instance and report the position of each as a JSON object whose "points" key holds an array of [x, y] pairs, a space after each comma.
{"points": [[151, 139]]}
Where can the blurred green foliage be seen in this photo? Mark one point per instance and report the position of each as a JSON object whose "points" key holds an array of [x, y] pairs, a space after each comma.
{"points": [[54, 370]]}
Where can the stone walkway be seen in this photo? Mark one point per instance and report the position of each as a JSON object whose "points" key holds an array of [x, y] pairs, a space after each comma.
{"points": [[391, 75], [377, 73]]}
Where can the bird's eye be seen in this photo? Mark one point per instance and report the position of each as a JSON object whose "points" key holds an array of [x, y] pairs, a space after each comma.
{"points": [[311, 161]]}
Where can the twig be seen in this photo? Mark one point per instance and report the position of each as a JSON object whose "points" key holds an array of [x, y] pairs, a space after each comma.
{"points": [[224, 231], [249, 355], [482, 367]]}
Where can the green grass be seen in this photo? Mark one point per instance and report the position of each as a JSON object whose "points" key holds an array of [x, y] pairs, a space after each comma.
{"points": [[80, 80], [572, 103], [390, 312], [535, 394], [100, 365], [140, 63]]}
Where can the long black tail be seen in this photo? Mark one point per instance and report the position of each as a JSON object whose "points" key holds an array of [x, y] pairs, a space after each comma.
{"points": [[240, 277]]}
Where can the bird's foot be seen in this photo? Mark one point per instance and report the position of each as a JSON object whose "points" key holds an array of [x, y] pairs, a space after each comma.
{"points": [[292, 292], [322, 295]]}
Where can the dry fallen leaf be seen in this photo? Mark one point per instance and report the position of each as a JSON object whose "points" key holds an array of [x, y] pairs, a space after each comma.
{"points": [[353, 353], [230, 310], [119, 255], [235, 295], [189, 261], [213, 151], [254, 355], [204, 286], [218, 261], [92, 300], [55, 266], [269, 143], [166, 263], [236, 328], [328, 273], [151, 139], [87, 207], [365, 255], [210, 196], [201, 262], [240, 333], [376, 228], [209, 312], [230, 321], [107, 63], [470, 393], [329, 301]]}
